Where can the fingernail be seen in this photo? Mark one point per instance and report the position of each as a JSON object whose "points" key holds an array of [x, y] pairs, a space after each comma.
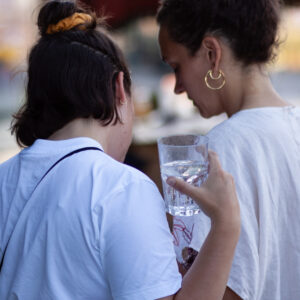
{"points": [[171, 181]]}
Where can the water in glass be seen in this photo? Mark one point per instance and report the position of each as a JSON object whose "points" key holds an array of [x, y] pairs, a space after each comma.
{"points": [[191, 171]]}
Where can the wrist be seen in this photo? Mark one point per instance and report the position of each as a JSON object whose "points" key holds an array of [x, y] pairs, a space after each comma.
{"points": [[227, 226]]}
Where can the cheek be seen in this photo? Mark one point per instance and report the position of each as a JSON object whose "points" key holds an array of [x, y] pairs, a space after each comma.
{"points": [[205, 101], [196, 81], [198, 92], [130, 122]]}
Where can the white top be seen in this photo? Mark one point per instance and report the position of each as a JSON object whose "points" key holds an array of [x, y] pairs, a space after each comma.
{"points": [[261, 149], [93, 229]]}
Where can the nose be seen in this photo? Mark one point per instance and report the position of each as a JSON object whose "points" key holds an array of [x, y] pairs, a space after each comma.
{"points": [[179, 88]]}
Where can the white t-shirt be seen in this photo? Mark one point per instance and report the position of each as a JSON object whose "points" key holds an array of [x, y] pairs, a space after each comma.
{"points": [[261, 149], [93, 229]]}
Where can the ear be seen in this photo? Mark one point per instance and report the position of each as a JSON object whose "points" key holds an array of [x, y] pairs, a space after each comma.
{"points": [[213, 50], [120, 90]]}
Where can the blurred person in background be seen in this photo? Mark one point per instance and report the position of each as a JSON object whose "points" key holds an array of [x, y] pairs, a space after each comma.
{"points": [[76, 223], [219, 51]]}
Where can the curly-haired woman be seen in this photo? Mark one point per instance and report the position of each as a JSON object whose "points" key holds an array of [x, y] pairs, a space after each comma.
{"points": [[219, 51]]}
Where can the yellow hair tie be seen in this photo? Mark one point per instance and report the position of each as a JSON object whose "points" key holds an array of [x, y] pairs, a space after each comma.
{"points": [[69, 23]]}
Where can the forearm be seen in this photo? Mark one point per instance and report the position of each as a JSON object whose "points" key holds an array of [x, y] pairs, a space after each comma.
{"points": [[207, 277]]}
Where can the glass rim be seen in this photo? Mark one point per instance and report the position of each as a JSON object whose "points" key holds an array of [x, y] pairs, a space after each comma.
{"points": [[200, 136]]}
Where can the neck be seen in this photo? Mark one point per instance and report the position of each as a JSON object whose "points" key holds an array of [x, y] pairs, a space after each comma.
{"points": [[253, 89], [83, 128], [114, 139]]}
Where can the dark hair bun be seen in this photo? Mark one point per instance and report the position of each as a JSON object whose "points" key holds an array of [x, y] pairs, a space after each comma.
{"points": [[71, 74], [54, 11]]}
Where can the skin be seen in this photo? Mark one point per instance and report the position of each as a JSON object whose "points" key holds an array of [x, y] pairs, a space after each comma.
{"points": [[207, 278], [116, 147], [246, 86]]}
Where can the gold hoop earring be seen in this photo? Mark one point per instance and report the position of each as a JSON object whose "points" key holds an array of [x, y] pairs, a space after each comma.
{"points": [[210, 74]]}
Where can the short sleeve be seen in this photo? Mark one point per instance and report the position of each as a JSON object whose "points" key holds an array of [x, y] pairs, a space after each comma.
{"points": [[136, 245], [236, 157]]}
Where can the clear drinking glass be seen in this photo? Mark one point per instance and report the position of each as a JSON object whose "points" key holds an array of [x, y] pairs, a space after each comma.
{"points": [[184, 157]]}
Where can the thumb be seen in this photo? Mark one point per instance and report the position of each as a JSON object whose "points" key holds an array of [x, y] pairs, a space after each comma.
{"points": [[196, 193]]}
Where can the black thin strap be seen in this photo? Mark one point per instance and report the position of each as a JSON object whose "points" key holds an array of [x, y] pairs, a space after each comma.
{"points": [[67, 155]]}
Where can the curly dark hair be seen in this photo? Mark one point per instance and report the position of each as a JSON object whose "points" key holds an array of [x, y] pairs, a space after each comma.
{"points": [[71, 74], [250, 26]]}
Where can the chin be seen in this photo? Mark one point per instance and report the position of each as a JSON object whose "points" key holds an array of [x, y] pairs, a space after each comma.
{"points": [[203, 113], [206, 114]]}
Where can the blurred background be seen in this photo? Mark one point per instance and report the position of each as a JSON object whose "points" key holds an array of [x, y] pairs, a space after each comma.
{"points": [[158, 111]]}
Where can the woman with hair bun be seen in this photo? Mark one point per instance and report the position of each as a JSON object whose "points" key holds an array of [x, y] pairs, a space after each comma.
{"points": [[76, 223], [219, 51]]}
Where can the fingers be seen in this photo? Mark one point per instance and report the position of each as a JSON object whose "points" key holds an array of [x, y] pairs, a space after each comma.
{"points": [[214, 162], [190, 190], [216, 196], [185, 188]]}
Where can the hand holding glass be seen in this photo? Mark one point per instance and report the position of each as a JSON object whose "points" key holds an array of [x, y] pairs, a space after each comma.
{"points": [[184, 157]]}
